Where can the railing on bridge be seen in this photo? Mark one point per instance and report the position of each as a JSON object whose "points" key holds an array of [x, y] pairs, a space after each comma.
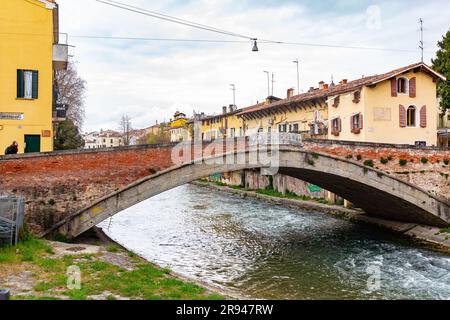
{"points": [[276, 138], [11, 219]]}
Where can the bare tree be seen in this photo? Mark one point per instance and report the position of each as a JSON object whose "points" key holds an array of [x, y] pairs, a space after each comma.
{"points": [[71, 91], [126, 129]]}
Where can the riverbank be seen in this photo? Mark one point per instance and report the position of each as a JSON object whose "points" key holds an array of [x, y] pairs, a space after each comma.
{"points": [[41, 270], [435, 238]]}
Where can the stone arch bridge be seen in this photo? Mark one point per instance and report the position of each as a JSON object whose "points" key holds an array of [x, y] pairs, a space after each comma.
{"points": [[70, 192]]}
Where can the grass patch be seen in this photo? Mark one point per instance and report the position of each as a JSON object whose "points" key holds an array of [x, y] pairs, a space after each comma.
{"points": [[113, 248], [369, 163], [146, 281]]}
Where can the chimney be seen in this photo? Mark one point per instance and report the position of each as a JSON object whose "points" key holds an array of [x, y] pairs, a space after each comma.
{"points": [[231, 108], [290, 93], [344, 81], [325, 86], [311, 89], [321, 83], [224, 109]]}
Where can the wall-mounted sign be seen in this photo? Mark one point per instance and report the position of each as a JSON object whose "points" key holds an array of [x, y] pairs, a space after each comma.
{"points": [[11, 116], [46, 133]]}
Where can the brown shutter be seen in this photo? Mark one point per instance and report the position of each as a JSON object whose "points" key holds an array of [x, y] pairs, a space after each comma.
{"points": [[423, 117], [339, 125], [402, 116], [394, 87], [360, 121], [351, 123], [412, 88]]}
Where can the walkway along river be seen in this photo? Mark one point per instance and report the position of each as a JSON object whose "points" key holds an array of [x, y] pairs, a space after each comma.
{"points": [[259, 250]]}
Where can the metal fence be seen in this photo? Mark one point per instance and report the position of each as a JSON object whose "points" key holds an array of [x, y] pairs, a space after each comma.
{"points": [[12, 210]]}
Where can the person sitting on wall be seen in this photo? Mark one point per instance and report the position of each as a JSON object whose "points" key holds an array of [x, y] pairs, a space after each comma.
{"points": [[12, 149]]}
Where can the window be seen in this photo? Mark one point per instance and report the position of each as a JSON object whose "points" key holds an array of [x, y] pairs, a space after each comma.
{"points": [[336, 126], [269, 129], [282, 127], [260, 130], [27, 84], [356, 96], [111, 140], [411, 116], [232, 132], [241, 132], [293, 128], [356, 123], [402, 85]]}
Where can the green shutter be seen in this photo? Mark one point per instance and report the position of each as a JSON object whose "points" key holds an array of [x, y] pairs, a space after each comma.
{"points": [[20, 84], [35, 89]]}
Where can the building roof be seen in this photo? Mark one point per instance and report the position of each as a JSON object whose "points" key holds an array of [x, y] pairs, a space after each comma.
{"points": [[323, 94]]}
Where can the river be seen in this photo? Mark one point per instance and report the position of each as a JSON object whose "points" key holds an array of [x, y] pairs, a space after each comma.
{"points": [[259, 250]]}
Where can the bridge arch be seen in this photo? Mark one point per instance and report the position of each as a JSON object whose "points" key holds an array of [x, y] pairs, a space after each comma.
{"points": [[376, 192]]}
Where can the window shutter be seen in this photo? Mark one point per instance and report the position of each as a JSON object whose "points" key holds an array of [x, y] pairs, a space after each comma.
{"points": [[35, 92], [339, 125], [351, 123], [394, 87], [360, 121], [423, 117], [412, 87], [20, 84], [402, 116]]}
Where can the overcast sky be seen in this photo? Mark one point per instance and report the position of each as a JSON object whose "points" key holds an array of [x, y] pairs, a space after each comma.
{"points": [[149, 81]]}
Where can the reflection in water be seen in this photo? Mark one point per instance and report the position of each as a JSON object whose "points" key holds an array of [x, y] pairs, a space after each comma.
{"points": [[261, 250]]}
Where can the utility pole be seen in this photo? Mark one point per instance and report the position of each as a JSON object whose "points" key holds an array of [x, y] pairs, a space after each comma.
{"points": [[421, 44], [273, 80], [297, 62], [268, 82], [233, 88]]}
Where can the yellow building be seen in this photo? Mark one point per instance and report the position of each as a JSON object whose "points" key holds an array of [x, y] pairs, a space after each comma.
{"points": [[178, 127], [29, 54], [398, 107]]}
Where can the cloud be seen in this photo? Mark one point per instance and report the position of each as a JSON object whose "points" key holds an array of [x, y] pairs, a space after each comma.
{"points": [[151, 80]]}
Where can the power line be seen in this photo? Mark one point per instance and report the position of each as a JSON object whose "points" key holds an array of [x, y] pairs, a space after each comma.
{"points": [[156, 39], [168, 18]]}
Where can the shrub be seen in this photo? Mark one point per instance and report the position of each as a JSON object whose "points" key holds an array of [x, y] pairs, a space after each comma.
{"points": [[446, 161], [368, 163], [424, 160], [349, 156], [384, 160], [51, 202], [311, 162], [389, 158], [402, 162], [359, 157]]}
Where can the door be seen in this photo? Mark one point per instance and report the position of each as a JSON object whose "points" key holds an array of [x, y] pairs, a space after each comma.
{"points": [[32, 143]]}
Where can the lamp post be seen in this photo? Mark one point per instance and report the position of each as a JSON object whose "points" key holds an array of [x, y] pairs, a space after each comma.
{"points": [[233, 88], [297, 62]]}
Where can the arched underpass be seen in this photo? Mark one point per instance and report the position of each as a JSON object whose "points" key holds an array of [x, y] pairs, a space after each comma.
{"points": [[377, 193]]}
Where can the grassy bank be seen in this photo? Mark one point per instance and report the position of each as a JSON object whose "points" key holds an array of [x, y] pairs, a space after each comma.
{"points": [[37, 270], [273, 193]]}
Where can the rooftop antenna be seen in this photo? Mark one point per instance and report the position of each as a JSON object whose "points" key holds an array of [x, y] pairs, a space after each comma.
{"points": [[421, 44], [268, 82]]}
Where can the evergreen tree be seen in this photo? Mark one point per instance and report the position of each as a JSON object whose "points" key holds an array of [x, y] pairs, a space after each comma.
{"points": [[67, 136], [442, 65]]}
